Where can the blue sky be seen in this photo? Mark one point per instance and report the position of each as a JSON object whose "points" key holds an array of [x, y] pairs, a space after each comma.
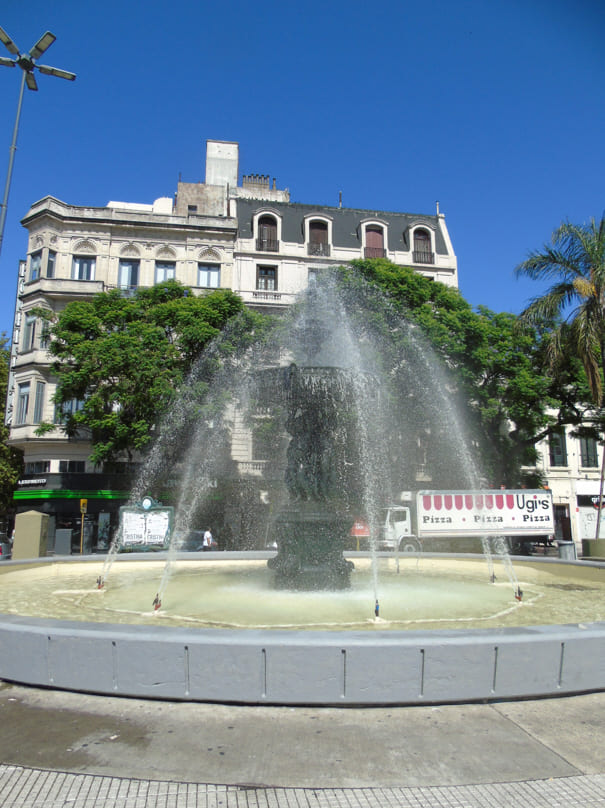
{"points": [[496, 109]]}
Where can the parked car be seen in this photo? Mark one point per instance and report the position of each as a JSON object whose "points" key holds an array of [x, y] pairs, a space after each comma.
{"points": [[6, 551], [192, 543]]}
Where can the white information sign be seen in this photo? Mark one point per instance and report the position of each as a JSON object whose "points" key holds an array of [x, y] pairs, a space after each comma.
{"points": [[512, 512], [588, 523], [145, 528]]}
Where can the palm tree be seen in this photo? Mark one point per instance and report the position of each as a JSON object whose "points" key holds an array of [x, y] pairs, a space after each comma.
{"points": [[575, 262]]}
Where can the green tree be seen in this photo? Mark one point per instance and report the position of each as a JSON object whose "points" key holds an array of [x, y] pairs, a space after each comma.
{"points": [[495, 372], [11, 459], [122, 359], [573, 308], [574, 305]]}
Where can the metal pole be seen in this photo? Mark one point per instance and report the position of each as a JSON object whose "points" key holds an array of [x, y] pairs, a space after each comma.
{"points": [[598, 530], [11, 160]]}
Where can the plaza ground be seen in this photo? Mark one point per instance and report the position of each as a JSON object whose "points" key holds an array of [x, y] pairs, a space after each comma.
{"points": [[62, 749]]}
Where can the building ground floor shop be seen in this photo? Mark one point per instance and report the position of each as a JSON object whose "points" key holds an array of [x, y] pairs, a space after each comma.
{"points": [[84, 511], [79, 520]]}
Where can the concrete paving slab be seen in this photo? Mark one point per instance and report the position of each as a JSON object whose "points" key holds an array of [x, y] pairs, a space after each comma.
{"points": [[299, 747], [573, 726]]}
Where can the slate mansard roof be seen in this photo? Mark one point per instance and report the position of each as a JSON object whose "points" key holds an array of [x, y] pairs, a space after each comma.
{"points": [[346, 223]]}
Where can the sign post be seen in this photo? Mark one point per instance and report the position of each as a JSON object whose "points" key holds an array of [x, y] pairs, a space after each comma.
{"points": [[146, 525], [83, 509]]}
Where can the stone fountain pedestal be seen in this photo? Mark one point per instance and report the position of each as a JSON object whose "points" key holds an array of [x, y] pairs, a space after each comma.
{"points": [[310, 541]]}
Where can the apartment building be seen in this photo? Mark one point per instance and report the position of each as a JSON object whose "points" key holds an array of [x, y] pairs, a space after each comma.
{"points": [[246, 236], [571, 464]]}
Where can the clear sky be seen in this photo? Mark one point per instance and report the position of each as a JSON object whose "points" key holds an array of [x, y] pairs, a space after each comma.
{"points": [[493, 107]]}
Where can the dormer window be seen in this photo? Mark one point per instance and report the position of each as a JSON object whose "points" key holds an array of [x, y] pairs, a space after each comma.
{"points": [[267, 240], [374, 241], [319, 241], [423, 253]]}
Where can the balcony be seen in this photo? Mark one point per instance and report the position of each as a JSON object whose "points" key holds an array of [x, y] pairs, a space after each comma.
{"points": [[267, 244], [63, 287], [266, 298], [251, 468], [318, 248], [375, 252], [265, 294], [423, 257]]}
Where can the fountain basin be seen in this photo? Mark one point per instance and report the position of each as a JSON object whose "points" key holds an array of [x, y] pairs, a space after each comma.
{"points": [[371, 666]]}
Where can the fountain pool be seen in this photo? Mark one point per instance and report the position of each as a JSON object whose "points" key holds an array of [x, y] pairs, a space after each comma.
{"points": [[369, 412], [224, 634]]}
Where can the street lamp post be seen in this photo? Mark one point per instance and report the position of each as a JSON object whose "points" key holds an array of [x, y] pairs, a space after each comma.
{"points": [[27, 63]]}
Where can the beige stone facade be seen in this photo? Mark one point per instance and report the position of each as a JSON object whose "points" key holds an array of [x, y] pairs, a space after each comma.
{"points": [[246, 237]]}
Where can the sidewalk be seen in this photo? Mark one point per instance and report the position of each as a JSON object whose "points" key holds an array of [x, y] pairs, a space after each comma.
{"points": [[66, 749]]}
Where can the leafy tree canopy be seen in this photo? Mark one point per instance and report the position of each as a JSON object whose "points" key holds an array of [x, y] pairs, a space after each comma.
{"points": [[499, 374], [572, 310], [123, 358]]}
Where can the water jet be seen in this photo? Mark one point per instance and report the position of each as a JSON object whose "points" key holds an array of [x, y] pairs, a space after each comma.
{"points": [[341, 627]]}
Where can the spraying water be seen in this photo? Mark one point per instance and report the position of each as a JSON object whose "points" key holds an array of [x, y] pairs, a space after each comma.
{"points": [[358, 417]]}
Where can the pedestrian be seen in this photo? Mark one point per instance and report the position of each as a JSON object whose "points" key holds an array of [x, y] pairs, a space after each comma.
{"points": [[208, 542]]}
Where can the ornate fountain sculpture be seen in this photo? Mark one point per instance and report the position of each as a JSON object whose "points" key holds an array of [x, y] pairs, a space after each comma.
{"points": [[311, 530], [323, 474]]}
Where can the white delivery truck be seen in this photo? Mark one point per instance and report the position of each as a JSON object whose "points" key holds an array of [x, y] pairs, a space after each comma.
{"points": [[523, 516], [397, 531]]}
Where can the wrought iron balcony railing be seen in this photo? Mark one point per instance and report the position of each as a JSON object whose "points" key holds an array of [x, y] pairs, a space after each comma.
{"points": [[267, 245], [318, 248], [424, 257], [375, 252]]}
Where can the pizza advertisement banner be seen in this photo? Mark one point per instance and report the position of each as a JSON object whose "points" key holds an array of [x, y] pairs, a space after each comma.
{"points": [[457, 513]]}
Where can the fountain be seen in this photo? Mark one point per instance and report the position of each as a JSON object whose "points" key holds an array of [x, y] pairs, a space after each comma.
{"points": [[308, 623], [311, 530]]}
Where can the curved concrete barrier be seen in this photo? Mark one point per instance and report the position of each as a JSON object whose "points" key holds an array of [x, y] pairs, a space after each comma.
{"points": [[303, 667]]}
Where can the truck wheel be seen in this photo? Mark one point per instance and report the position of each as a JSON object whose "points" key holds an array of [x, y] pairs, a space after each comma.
{"points": [[408, 544]]}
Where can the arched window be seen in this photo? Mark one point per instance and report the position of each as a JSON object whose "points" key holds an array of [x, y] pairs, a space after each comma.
{"points": [[84, 261], [165, 265], [374, 241], [267, 234], [128, 268], [318, 238], [422, 247]]}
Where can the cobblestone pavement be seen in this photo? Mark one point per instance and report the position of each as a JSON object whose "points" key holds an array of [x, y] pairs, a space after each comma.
{"points": [[36, 788]]}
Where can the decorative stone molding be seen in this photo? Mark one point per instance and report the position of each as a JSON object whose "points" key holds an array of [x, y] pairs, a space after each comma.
{"points": [[165, 253], [209, 254], [85, 247], [130, 251]]}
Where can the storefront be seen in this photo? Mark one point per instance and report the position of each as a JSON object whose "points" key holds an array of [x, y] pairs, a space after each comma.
{"points": [[70, 498], [588, 516]]}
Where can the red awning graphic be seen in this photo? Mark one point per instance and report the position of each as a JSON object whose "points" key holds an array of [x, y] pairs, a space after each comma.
{"points": [[469, 502]]}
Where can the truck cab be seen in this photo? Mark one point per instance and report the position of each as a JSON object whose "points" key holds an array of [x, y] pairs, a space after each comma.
{"points": [[397, 531]]}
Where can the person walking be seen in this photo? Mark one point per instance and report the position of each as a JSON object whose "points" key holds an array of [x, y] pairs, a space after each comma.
{"points": [[208, 541]]}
